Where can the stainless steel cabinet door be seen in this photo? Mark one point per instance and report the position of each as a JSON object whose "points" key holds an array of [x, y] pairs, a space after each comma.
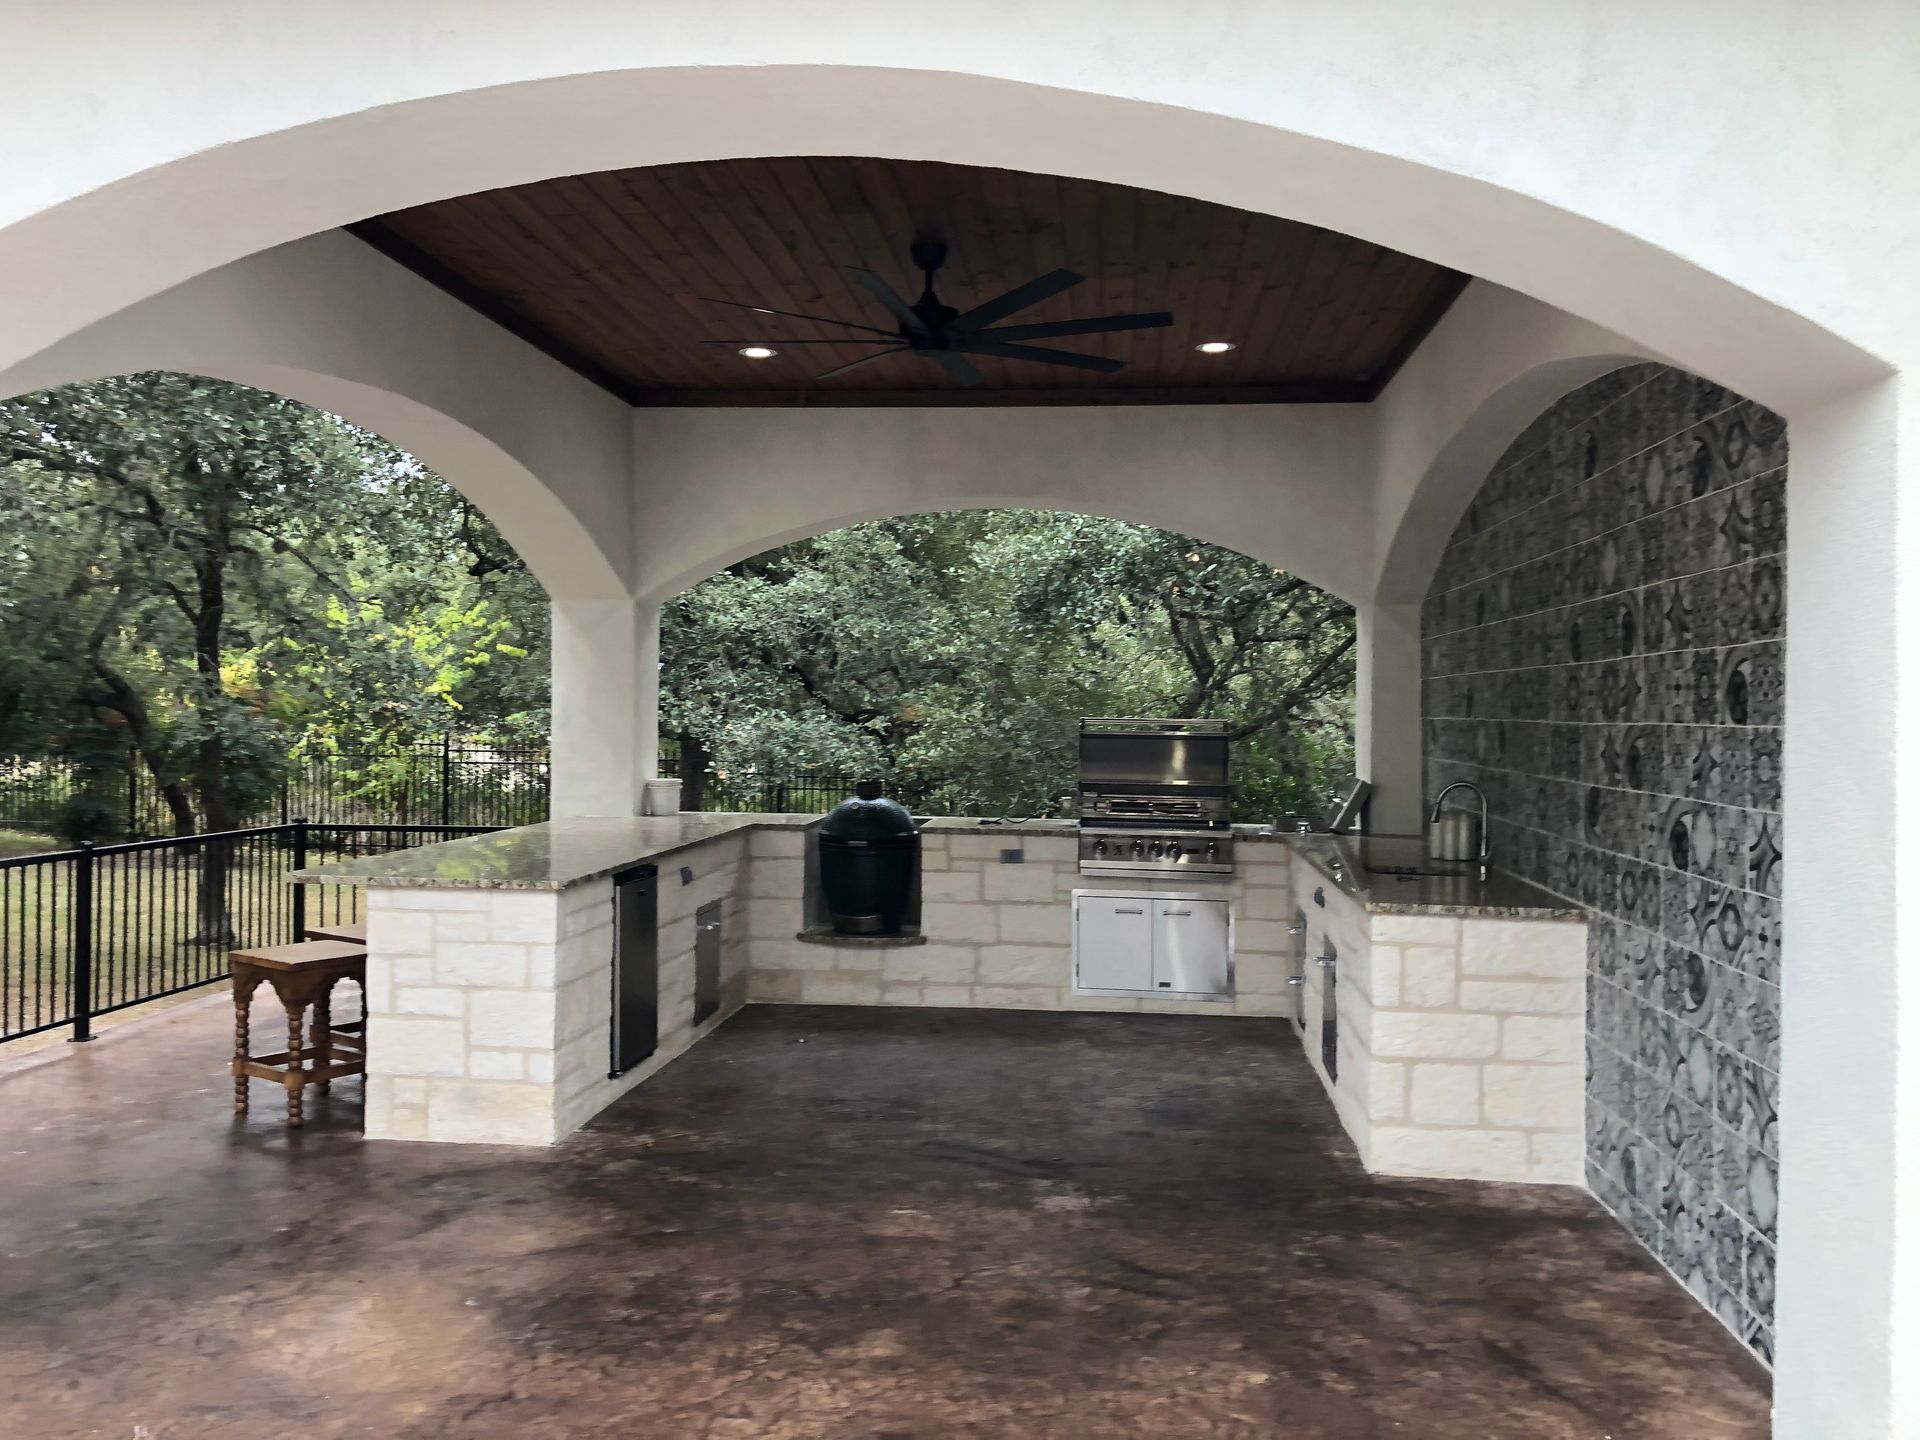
{"points": [[1113, 939], [1190, 947], [707, 942]]}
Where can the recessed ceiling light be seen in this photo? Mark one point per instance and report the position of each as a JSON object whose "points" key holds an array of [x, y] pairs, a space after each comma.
{"points": [[758, 352], [1215, 347]]}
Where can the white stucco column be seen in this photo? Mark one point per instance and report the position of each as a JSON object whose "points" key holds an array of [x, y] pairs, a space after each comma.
{"points": [[606, 705], [1386, 715], [1848, 1299], [646, 690]]}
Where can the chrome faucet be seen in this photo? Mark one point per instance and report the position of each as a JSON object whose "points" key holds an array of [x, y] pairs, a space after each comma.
{"points": [[1441, 799]]}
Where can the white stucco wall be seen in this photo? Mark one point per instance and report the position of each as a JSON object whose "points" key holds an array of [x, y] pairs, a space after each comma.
{"points": [[1726, 184], [1493, 363], [1288, 484]]}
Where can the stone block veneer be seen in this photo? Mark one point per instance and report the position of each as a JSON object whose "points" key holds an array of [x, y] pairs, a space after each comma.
{"points": [[1461, 1051], [489, 1010], [1460, 1040], [1000, 936]]}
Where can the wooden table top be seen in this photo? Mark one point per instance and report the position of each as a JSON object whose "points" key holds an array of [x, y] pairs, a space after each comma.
{"points": [[297, 957], [353, 930]]}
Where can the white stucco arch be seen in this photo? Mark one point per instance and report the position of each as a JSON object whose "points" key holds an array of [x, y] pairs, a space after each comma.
{"points": [[1492, 364], [1496, 360], [937, 504], [1347, 121], [1286, 484], [328, 322], [541, 452]]}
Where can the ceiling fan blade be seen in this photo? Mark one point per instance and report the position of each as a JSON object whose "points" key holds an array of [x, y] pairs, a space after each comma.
{"points": [[856, 364], [982, 345], [955, 364], [883, 292], [1105, 323], [795, 315], [1018, 298]]}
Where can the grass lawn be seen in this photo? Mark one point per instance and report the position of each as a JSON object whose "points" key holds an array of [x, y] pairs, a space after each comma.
{"points": [[26, 842]]}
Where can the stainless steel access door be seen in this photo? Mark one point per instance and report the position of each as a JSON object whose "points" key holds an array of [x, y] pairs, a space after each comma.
{"points": [[708, 944], [1113, 942], [1190, 954]]}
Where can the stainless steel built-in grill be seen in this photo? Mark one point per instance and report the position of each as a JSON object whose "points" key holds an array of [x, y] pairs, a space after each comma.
{"points": [[1155, 798]]}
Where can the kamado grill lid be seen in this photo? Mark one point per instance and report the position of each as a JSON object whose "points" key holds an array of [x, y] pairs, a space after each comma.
{"points": [[867, 816]]}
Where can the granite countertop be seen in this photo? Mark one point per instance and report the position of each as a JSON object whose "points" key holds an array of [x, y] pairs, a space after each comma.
{"points": [[951, 824], [1354, 865], [559, 853], [549, 856]]}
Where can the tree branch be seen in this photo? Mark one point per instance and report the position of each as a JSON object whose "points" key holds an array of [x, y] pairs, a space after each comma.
{"points": [[1298, 694]]}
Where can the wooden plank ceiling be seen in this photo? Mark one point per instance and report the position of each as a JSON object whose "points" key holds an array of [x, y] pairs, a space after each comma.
{"points": [[606, 273]]}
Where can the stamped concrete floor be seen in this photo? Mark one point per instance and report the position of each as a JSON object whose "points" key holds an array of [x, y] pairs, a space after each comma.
{"points": [[823, 1222]]}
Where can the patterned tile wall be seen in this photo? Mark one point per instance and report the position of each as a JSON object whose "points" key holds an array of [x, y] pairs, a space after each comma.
{"points": [[1602, 655]]}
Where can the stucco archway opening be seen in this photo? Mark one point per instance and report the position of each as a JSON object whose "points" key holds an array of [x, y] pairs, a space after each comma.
{"points": [[213, 568], [1069, 614]]}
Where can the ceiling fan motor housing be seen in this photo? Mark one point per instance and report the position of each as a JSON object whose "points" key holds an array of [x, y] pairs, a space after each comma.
{"points": [[948, 336], [928, 255]]}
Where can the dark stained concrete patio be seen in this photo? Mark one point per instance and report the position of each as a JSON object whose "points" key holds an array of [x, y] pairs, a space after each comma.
{"points": [[821, 1223]]}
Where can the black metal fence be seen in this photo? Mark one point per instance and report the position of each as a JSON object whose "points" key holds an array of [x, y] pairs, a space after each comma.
{"points": [[799, 795], [445, 781], [97, 928], [33, 792], [87, 931], [442, 781]]}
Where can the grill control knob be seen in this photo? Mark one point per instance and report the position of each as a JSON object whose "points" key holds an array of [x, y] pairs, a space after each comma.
{"points": [[1139, 849], [1099, 847], [1155, 849], [1173, 850]]}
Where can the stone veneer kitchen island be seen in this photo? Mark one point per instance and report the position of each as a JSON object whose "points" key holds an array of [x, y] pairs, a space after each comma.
{"points": [[490, 965], [1457, 1046]]}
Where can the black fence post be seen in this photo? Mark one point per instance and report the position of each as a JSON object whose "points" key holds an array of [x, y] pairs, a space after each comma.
{"points": [[83, 943], [299, 823], [446, 778]]}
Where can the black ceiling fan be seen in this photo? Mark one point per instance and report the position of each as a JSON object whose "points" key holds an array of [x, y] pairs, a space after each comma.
{"points": [[947, 336]]}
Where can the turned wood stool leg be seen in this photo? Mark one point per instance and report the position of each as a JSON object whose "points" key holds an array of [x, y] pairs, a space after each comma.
{"points": [[296, 1070], [323, 1033], [242, 1013]]}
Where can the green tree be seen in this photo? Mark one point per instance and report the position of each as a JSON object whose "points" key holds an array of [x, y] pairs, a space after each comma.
{"points": [[954, 653], [1208, 632], [210, 570]]}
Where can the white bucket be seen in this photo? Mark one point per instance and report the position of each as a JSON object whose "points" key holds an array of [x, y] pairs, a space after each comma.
{"points": [[663, 797]]}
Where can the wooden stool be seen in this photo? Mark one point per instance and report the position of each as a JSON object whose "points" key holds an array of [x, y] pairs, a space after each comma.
{"points": [[301, 974]]}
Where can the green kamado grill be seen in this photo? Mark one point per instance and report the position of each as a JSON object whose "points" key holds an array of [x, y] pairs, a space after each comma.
{"points": [[869, 856]]}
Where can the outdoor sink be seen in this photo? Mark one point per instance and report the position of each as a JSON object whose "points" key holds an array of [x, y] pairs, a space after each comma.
{"points": [[1413, 872]]}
